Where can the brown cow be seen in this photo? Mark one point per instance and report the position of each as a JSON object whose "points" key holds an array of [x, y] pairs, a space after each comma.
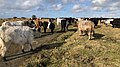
{"points": [[86, 26]]}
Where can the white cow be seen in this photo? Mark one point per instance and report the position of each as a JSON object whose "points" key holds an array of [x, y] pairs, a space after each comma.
{"points": [[20, 35], [107, 22], [15, 23], [21, 23], [59, 21], [79, 19]]}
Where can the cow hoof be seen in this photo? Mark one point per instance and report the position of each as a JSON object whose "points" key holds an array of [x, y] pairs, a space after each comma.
{"points": [[90, 39], [23, 50], [31, 49], [4, 59]]}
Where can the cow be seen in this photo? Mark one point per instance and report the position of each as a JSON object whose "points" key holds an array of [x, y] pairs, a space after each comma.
{"points": [[45, 24], [63, 25], [94, 20], [59, 21], [86, 26], [20, 35], [48, 25], [30, 23], [15, 23], [115, 23], [107, 22], [51, 26]]}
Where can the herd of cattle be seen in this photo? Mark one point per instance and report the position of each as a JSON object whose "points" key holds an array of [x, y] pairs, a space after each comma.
{"points": [[24, 32]]}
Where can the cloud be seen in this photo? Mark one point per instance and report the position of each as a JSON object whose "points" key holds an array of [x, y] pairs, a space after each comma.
{"points": [[51, 1], [66, 7], [57, 7], [96, 8], [115, 6], [27, 4], [99, 1], [110, 14], [19, 4], [68, 1], [77, 8], [64, 1], [98, 4], [105, 4], [82, 0], [1, 3]]}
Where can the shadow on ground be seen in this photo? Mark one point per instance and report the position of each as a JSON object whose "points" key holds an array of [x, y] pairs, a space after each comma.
{"points": [[72, 30], [49, 33], [36, 50], [66, 31], [97, 36], [98, 26], [43, 35]]}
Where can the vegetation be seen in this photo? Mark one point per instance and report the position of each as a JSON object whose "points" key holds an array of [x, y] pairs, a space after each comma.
{"points": [[15, 17], [78, 51], [72, 50], [34, 16], [23, 17]]}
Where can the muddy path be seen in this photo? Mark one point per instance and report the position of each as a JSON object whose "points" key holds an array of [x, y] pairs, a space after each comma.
{"points": [[15, 57]]}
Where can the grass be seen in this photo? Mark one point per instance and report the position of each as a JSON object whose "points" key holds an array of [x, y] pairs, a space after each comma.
{"points": [[49, 57], [78, 51]]}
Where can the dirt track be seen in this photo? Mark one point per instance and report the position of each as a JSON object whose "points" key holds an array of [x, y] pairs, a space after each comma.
{"points": [[15, 57]]}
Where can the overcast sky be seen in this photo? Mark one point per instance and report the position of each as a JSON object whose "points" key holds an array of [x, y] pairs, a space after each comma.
{"points": [[59, 8]]}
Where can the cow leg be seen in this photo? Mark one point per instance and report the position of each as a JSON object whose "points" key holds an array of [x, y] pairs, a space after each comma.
{"points": [[23, 48], [3, 52], [92, 33], [64, 29], [39, 30], [67, 27], [3, 49], [31, 49], [51, 30], [89, 34], [80, 32], [44, 30], [61, 27]]}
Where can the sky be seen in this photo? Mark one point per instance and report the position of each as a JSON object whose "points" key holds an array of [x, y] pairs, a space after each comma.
{"points": [[59, 8]]}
